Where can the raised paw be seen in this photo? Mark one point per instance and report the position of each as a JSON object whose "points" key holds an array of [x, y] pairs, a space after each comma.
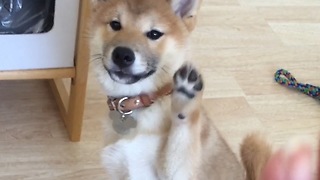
{"points": [[187, 81]]}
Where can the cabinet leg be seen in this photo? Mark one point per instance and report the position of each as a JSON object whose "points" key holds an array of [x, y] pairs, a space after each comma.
{"points": [[71, 105], [76, 109]]}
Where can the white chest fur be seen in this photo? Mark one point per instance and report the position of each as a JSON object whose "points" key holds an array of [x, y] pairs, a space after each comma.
{"points": [[134, 158], [155, 117], [135, 155]]}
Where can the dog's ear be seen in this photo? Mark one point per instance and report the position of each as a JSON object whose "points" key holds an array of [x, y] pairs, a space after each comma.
{"points": [[187, 10]]}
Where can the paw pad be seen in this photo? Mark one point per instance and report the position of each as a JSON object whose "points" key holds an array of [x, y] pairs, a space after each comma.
{"points": [[188, 81]]}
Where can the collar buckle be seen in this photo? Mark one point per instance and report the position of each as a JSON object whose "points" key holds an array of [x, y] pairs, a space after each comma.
{"points": [[121, 106]]}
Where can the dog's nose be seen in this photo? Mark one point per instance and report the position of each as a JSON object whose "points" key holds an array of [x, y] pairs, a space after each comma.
{"points": [[123, 57]]}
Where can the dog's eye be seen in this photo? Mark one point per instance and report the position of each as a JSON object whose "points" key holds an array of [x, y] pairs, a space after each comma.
{"points": [[115, 25], [154, 34]]}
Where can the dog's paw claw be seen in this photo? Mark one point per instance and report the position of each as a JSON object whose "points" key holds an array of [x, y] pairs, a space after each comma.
{"points": [[188, 81]]}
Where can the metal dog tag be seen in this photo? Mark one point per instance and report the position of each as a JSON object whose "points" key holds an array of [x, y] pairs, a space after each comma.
{"points": [[122, 123]]}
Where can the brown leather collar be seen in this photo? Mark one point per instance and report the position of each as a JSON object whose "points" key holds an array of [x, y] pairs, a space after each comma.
{"points": [[127, 104]]}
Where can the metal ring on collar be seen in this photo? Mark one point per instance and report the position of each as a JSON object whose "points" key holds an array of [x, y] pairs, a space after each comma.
{"points": [[120, 106]]}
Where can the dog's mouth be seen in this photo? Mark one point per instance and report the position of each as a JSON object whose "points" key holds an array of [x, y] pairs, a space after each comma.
{"points": [[128, 78]]}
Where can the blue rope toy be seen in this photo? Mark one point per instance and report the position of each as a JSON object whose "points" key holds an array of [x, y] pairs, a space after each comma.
{"points": [[285, 78]]}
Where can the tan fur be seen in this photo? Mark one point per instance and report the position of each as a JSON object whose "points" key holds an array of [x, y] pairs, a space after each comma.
{"points": [[255, 152], [205, 155]]}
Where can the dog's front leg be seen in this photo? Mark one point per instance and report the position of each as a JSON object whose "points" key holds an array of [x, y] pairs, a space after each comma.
{"points": [[182, 151]]}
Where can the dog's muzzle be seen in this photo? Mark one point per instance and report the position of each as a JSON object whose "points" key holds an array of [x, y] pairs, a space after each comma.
{"points": [[123, 62]]}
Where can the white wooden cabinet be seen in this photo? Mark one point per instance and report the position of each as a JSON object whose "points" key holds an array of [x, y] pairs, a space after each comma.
{"points": [[59, 53], [53, 49]]}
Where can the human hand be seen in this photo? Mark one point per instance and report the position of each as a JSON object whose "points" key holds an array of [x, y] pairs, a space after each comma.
{"points": [[293, 164]]}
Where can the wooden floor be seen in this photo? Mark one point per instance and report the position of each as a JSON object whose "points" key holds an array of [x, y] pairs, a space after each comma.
{"points": [[239, 44]]}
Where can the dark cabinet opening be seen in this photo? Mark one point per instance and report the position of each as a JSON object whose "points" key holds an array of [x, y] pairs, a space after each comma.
{"points": [[26, 16]]}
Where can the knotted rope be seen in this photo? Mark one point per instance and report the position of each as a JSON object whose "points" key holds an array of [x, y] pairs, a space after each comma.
{"points": [[285, 78]]}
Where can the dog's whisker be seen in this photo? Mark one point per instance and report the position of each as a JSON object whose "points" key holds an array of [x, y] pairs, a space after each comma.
{"points": [[94, 55], [96, 59], [87, 35], [163, 69]]}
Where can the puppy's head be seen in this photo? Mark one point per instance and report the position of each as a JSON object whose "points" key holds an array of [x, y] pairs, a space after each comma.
{"points": [[140, 43]]}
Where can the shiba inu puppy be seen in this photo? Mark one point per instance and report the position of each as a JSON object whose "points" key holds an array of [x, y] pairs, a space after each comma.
{"points": [[155, 96]]}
